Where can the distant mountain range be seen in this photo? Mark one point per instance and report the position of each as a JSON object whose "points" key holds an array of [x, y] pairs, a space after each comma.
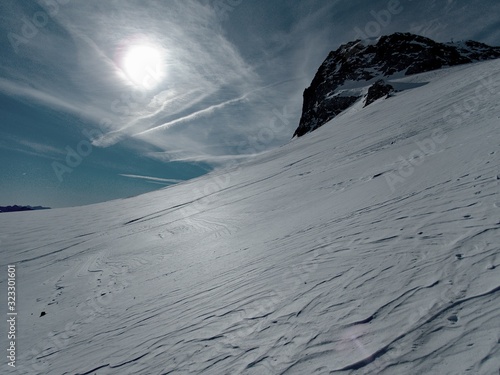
{"points": [[359, 70], [16, 208]]}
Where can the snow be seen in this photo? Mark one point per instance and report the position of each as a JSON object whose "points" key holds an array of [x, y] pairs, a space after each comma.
{"points": [[330, 255]]}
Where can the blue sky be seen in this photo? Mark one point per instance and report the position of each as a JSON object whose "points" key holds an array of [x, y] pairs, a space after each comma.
{"points": [[149, 93]]}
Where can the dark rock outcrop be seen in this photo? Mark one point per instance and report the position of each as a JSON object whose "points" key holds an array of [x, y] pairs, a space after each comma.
{"points": [[378, 90], [343, 77]]}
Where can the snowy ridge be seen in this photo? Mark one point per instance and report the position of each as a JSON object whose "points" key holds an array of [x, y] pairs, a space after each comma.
{"points": [[367, 247]]}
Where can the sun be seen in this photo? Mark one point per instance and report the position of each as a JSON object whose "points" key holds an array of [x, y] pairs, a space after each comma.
{"points": [[143, 65]]}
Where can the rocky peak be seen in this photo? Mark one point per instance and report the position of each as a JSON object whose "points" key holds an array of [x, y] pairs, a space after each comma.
{"points": [[354, 71]]}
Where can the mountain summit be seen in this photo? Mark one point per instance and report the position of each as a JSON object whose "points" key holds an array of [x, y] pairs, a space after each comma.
{"points": [[359, 70]]}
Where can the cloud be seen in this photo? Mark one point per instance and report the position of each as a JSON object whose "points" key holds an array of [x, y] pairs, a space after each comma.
{"points": [[214, 95], [155, 179], [225, 77], [183, 156], [195, 115], [51, 100], [11, 88], [41, 148], [204, 70]]}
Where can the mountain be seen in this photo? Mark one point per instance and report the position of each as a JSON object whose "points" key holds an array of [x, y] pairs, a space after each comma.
{"points": [[360, 70], [16, 208], [368, 247]]}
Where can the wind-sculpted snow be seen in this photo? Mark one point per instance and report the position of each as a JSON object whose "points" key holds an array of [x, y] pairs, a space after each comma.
{"points": [[367, 247]]}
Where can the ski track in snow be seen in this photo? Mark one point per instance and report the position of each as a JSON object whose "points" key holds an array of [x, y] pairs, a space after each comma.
{"points": [[302, 261]]}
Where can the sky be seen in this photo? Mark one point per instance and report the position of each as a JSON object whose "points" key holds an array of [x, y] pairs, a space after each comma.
{"points": [[102, 100]]}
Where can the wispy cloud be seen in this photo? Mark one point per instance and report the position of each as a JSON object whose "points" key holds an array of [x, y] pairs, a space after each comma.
{"points": [[45, 97], [194, 116], [156, 179], [41, 96], [205, 72], [41, 147], [29, 147], [184, 156], [223, 82]]}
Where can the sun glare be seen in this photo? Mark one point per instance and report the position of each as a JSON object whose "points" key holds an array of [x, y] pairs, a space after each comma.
{"points": [[143, 65]]}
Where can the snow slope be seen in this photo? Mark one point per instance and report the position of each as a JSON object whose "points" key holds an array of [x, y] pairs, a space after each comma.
{"points": [[330, 255]]}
